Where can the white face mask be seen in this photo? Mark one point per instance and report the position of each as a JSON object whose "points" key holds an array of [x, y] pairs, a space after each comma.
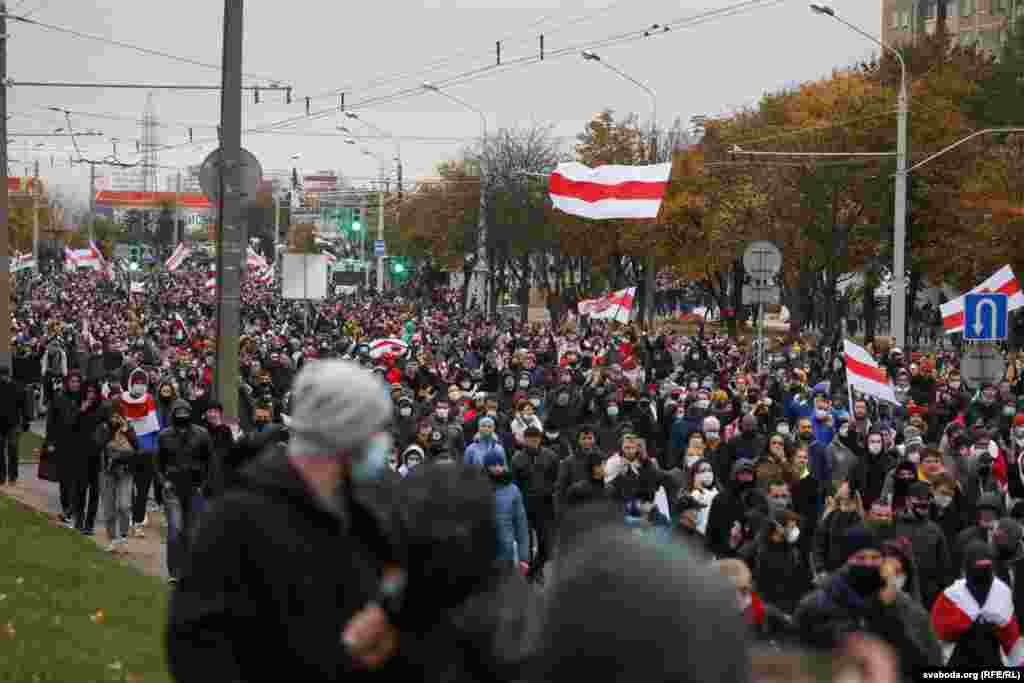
{"points": [[783, 429], [704, 479], [844, 431], [914, 457], [744, 602], [405, 412], [874, 448], [898, 581], [943, 501], [690, 460], [792, 534]]}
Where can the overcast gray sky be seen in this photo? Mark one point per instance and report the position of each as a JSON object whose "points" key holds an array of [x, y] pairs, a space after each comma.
{"points": [[320, 46]]}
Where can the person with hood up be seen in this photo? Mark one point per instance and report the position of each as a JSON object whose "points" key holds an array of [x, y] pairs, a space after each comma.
{"points": [[931, 554], [974, 617], [60, 444], [486, 442], [779, 568], [846, 450], [85, 461], [747, 445], [412, 457], [183, 461], [856, 599], [305, 523], [899, 570], [728, 510], [513, 529], [987, 514]]}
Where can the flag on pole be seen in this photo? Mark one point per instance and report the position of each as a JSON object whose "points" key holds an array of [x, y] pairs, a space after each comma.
{"points": [[1002, 281], [616, 306], [609, 192], [96, 254], [211, 285], [254, 260], [865, 375], [181, 252]]}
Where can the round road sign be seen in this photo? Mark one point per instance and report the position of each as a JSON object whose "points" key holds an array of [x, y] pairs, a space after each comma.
{"points": [[209, 176], [762, 260]]}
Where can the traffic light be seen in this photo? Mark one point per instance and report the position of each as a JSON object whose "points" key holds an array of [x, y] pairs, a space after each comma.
{"points": [[399, 268], [357, 220]]}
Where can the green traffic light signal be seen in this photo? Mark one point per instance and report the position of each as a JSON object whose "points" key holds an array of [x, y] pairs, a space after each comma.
{"points": [[399, 268]]}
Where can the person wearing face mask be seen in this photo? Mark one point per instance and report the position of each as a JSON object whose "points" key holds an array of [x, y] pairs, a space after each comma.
{"points": [[405, 421], [147, 417], [506, 402], [846, 450], [694, 453], [987, 512], [778, 566], [931, 553], [729, 509], [987, 407], [344, 573], [526, 417], [856, 599], [974, 618], [222, 472], [513, 528], [183, 460], [119, 448], [683, 425], [610, 426], [948, 509], [747, 445], [843, 511], [486, 441], [898, 568], [412, 457], [703, 490]]}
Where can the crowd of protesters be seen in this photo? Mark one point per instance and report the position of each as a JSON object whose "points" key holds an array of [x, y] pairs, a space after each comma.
{"points": [[827, 512]]}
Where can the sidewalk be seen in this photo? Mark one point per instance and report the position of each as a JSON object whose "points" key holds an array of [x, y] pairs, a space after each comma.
{"points": [[145, 554]]}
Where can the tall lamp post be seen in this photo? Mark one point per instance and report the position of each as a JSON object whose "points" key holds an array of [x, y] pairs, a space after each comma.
{"points": [[899, 285], [649, 263], [481, 271], [380, 220]]}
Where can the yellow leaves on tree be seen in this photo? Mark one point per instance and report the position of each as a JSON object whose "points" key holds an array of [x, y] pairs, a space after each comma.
{"points": [[435, 218]]}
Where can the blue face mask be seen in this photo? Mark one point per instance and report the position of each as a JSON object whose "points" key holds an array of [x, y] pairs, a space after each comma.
{"points": [[375, 462]]}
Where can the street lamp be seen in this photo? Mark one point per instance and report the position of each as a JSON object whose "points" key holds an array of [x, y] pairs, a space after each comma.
{"points": [[380, 131], [649, 263], [481, 248], [899, 288]]}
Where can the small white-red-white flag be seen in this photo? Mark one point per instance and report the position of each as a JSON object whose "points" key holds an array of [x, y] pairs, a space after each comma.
{"points": [[1003, 281], [211, 285], [864, 374], [616, 306], [609, 192], [181, 252]]}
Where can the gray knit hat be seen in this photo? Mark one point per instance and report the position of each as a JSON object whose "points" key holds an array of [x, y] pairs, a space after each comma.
{"points": [[336, 406]]}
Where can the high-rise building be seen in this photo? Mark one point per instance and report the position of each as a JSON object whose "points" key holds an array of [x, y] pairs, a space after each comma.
{"points": [[985, 23]]}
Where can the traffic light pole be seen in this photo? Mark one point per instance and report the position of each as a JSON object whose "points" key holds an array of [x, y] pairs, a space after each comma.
{"points": [[231, 240]]}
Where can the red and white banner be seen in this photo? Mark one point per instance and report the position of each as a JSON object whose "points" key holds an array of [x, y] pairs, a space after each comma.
{"points": [[864, 374], [1003, 281], [616, 306], [609, 192], [85, 258], [181, 252], [211, 285], [393, 346]]}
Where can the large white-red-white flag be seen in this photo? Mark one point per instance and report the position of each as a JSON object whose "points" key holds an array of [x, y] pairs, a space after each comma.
{"points": [[864, 374], [609, 192], [1002, 281], [616, 306]]}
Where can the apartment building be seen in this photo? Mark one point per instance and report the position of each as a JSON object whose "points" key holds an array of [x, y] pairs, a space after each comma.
{"points": [[984, 23]]}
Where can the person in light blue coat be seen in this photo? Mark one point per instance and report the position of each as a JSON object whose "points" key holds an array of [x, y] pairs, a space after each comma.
{"points": [[484, 443], [513, 530]]}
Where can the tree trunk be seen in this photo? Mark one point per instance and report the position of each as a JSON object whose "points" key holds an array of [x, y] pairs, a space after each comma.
{"points": [[524, 286]]}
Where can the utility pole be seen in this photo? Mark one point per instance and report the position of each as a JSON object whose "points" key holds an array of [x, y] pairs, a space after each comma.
{"points": [[5, 261], [92, 201], [35, 217], [380, 237], [231, 239], [177, 237], [650, 263], [362, 234]]}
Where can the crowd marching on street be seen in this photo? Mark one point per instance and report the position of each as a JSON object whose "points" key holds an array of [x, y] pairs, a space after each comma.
{"points": [[459, 497]]}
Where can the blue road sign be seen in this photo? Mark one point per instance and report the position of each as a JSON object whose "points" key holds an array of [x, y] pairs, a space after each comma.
{"points": [[985, 317], [380, 250]]}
